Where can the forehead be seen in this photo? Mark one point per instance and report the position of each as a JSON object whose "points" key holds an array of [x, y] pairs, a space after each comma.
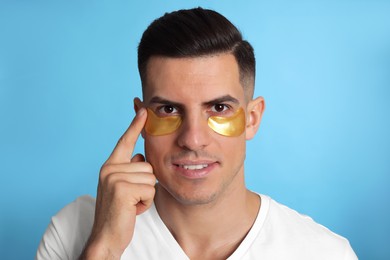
{"points": [[198, 78]]}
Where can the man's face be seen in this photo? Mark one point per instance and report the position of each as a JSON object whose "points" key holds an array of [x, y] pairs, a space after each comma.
{"points": [[194, 163]]}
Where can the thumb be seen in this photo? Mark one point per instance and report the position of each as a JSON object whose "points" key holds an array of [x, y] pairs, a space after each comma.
{"points": [[138, 158]]}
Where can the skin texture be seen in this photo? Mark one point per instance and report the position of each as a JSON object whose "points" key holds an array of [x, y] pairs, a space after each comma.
{"points": [[201, 194]]}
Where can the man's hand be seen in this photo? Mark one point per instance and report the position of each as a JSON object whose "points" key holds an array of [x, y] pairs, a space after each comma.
{"points": [[126, 189]]}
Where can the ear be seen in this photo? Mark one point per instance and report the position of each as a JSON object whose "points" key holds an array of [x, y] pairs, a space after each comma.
{"points": [[255, 109], [137, 105]]}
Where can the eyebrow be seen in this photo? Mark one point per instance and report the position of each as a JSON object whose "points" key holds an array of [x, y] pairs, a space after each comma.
{"points": [[160, 100], [222, 99]]}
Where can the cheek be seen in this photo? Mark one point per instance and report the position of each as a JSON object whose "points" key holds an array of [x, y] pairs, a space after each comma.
{"points": [[150, 149], [156, 148], [157, 152], [232, 148]]}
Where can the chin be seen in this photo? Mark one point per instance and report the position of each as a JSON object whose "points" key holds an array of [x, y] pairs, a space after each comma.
{"points": [[196, 200], [193, 197]]}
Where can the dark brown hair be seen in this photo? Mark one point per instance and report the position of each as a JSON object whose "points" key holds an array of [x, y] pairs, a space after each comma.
{"points": [[193, 33]]}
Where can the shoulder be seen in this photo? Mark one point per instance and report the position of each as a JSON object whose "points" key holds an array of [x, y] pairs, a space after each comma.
{"points": [[81, 211], [294, 222], [68, 230], [75, 220], [299, 232]]}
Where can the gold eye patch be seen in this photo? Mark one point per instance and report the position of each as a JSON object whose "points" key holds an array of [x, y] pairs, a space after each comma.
{"points": [[161, 125], [226, 126]]}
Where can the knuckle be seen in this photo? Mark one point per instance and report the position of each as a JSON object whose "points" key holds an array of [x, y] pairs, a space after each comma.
{"points": [[110, 179], [125, 140], [153, 179], [148, 167], [121, 140], [105, 170], [150, 189]]}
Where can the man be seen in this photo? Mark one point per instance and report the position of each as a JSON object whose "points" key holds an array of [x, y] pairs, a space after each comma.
{"points": [[195, 117]]}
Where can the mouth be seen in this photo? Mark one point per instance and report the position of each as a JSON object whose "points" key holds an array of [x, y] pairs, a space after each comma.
{"points": [[192, 167], [195, 170]]}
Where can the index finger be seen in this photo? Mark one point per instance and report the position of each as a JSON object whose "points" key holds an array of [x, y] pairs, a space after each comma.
{"points": [[125, 146]]}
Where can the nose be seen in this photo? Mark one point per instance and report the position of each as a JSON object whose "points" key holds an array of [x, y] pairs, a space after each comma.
{"points": [[194, 133]]}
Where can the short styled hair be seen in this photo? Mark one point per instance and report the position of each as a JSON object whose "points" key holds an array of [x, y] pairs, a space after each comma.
{"points": [[194, 33]]}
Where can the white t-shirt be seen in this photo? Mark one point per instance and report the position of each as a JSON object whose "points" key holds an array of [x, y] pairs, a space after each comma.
{"points": [[279, 233]]}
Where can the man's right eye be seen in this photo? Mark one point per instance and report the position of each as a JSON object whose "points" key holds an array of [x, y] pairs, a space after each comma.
{"points": [[167, 110]]}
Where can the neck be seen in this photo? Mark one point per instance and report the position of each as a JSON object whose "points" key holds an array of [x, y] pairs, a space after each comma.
{"points": [[217, 227]]}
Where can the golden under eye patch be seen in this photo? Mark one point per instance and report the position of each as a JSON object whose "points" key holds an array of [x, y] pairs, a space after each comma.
{"points": [[161, 125], [227, 126]]}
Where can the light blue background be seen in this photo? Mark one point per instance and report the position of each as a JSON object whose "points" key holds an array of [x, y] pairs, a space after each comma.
{"points": [[68, 76]]}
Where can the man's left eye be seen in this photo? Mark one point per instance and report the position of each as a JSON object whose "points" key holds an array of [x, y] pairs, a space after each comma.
{"points": [[219, 108]]}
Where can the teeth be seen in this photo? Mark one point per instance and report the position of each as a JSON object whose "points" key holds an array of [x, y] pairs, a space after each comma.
{"points": [[194, 166]]}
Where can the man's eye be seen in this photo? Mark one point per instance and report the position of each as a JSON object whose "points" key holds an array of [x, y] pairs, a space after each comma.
{"points": [[167, 110], [219, 108]]}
